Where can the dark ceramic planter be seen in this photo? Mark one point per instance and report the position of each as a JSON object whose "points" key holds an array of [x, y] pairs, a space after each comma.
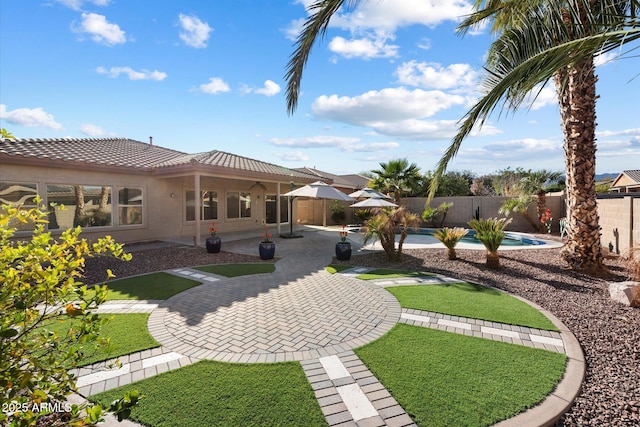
{"points": [[267, 250], [343, 251], [213, 244]]}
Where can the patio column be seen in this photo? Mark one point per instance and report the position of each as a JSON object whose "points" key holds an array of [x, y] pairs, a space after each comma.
{"points": [[278, 207], [196, 186]]}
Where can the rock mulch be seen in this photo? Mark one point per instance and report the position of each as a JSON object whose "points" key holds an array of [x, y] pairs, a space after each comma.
{"points": [[609, 332]]}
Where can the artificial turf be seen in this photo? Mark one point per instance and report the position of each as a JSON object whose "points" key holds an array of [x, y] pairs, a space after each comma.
{"points": [[473, 301], [234, 270], [384, 273], [443, 379], [210, 393], [337, 268], [148, 286], [128, 334]]}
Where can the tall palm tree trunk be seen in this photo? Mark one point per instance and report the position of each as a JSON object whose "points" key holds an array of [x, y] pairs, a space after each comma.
{"points": [[577, 96]]}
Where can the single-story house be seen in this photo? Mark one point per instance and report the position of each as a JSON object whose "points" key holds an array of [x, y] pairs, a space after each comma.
{"points": [[137, 191], [627, 182]]}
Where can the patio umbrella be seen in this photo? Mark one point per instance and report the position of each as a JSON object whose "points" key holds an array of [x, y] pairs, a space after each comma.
{"points": [[374, 202], [368, 193], [320, 190]]}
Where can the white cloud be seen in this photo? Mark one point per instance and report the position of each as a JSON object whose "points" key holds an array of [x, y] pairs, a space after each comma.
{"points": [[29, 117], [608, 133], [101, 30], [365, 48], [215, 85], [435, 76], [346, 144], [270, 88], [91, 130], [386, 105], [389, 15], [424, 44], [605, 58], [292, 31], [195, 33], [77, 4], [292, 156], [546, 96], [115, 72]]}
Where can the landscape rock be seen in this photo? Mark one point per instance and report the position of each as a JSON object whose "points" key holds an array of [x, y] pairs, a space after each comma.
{"points": [[627, 293]]}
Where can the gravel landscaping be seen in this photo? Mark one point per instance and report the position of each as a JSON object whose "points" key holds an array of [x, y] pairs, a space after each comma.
{"points": [[608, 332]]}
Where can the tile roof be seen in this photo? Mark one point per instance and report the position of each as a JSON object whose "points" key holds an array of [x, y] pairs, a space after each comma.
{"points": [[348, 181], [102, 151], [633, 174], [122, 152]]}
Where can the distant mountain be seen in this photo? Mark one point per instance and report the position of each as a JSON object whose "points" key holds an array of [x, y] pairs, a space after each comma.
{"points": [[606, 176]]}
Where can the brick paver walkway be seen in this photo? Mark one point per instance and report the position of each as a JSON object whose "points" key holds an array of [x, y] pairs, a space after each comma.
{"points": [[299, 312]]}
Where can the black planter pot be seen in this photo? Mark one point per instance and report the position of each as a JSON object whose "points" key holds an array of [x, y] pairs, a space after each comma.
{"points": [[267, 250], [213, 244], [343, 251]]}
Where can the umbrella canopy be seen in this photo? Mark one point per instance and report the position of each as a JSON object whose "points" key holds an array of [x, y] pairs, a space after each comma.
{"points": [[319, 190], [368, 193], [373, 202]]}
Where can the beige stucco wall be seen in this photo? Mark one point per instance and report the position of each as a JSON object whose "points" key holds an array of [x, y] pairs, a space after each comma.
{"points": [[620, 223], [164, 215], [465, 208]]}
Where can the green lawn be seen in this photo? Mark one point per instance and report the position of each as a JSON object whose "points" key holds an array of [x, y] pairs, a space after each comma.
{"points": [[211, 393], [149, 286], [234, 270], [336, 268], [474, 301], [128, 333], [443, 379], [384, 273]]}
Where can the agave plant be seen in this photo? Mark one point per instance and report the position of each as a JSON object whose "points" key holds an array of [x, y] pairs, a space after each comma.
{"points": [[491, 233], [450, 238]]}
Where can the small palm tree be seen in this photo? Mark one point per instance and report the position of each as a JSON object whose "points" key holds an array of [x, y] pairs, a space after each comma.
{"points": [[450, 238], [520, 205], [383, 225], [491, 233]]}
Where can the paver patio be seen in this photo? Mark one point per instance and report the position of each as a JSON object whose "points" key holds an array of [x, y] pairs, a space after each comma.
{"points": [[299, 312]]}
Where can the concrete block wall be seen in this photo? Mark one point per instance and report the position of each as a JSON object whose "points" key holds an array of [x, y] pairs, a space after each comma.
{"points": [[616, 222], [465, 208]]}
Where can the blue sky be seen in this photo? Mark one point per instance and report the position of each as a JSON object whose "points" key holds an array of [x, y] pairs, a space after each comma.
{"points": [[389, 80]]}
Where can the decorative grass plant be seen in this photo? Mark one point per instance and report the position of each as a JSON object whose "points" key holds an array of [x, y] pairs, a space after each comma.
{"points": [[450, 238]]}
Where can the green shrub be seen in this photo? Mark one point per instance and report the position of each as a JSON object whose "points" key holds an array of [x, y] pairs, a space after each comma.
{"points": [[491, 233], [450, 238]]}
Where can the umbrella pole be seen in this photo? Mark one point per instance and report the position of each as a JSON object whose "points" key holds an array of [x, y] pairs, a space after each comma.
{"points": [[324, 212]]}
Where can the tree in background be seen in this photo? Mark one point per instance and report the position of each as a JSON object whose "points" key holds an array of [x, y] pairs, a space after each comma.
{"points": [[482, 186], [40, 285], [453, 183], [520, 205], [536, 183], [5, 134], [397, 178]]}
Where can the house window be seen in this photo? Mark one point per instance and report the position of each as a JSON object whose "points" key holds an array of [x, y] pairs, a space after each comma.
{"points": [[130, 203], [271, 212], [85, 205], [208, 205], [238, 204], [19, 193]]}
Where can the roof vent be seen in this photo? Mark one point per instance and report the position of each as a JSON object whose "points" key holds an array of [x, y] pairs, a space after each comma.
{"points": [[150, 140]]}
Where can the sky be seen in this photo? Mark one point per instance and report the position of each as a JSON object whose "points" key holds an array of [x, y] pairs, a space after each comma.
{"points": [[389, 80]]}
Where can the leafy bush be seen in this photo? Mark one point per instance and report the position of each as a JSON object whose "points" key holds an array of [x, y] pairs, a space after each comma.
{"points": [[337, 212], [432, 215], [363, 215], [40, 285]]}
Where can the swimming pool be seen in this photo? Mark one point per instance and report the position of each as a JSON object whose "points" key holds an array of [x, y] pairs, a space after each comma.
{"points": [[423, 238], [512, 239]]}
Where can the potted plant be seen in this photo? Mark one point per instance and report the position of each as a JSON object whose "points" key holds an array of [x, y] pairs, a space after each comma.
{"points": [[213, 242], [343, 248], [267, 247]]}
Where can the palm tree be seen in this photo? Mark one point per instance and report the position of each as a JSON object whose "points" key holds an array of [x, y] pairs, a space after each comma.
{"points": [[396, 178], [520, 205], [491, 233], [534, 183], [383, 226], [450, 238], [536, 41]]}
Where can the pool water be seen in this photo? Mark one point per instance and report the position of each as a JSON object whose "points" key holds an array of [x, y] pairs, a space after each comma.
{"points": [[510, 240]]}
